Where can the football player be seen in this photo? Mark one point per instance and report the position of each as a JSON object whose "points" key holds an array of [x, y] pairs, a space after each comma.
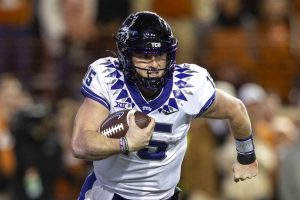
{"points": [[146, 163]]}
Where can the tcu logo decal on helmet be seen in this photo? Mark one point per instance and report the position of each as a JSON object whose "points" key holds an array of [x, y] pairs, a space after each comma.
{"points": [[156, 44]]}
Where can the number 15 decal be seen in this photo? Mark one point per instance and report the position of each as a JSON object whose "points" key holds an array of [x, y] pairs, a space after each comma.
{"points": [[89, 76]]}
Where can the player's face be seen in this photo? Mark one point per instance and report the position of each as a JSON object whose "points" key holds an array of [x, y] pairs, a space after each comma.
{"points": [[151, 65]]}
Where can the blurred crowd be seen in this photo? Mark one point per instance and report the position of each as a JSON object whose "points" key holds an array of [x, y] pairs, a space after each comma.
{"points": [[250, 47]]}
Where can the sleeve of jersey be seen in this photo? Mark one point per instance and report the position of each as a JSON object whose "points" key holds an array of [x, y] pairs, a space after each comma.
{"points": [[93, 86], [206, 92]]}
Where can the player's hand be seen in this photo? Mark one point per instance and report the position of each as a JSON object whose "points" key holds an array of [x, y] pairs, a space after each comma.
{"points": [[138, 138], [243, 172]]}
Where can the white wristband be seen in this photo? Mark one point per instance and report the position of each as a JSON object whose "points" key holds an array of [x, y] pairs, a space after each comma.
{"points": [[244, 146], [245, 150]]}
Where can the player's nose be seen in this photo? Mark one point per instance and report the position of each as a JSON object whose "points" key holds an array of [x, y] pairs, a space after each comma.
{"points": [[154, 62]]}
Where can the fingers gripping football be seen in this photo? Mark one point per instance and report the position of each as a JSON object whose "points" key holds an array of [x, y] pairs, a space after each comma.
{"points": [[135, 125], [138, 137]]}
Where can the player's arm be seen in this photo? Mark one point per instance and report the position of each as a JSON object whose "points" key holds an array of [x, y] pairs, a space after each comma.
{"points": [[87, 143], [228, 107]]}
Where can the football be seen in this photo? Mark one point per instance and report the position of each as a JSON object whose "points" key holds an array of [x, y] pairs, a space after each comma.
{"points": [[116, 124]]}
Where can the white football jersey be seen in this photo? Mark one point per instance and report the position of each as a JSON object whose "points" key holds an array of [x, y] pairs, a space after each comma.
{"points": [[153, 172]]}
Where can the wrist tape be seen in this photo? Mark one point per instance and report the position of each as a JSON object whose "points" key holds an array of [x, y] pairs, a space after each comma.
{"points": [[245, 150]]}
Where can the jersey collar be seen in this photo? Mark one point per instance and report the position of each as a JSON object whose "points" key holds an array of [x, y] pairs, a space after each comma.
{"points": [[149, 106]]}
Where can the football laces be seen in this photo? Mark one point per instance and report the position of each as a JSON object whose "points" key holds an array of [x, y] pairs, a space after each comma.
{"points": [[113, 129]]}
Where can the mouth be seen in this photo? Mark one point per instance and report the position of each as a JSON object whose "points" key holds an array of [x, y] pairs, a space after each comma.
{"points": [[153, 72]]}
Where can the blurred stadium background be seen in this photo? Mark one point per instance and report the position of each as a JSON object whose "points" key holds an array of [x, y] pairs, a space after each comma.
{"points": [[250, 47]]}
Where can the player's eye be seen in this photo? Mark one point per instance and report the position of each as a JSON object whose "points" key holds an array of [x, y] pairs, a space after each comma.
{"points": [[140, 56], [147, 56], [161, 57]]}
